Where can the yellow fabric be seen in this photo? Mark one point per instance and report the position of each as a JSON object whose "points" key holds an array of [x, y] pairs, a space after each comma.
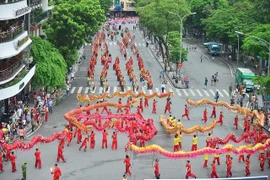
{"points": [[228, 153], [174, 122], [170, 119], [206, 156], [250, 145], [195, 140], [175, 141], [216, 155], [261, 151], [180, 137]]}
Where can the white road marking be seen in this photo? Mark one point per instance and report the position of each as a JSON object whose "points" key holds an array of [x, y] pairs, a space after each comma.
{"points": [[94, 90], [79, 90], [150, 91], [86, 90], [114, 89], [110, 43], [109, 88], [212, 92], [128, 88], [139, 44], [192, 92], [170, 90], [100, 90], [178, 92], [199, 92], [143, 90], [221, 95], [227, 94], [206, 93], [72, 90], [157, 90], [185, 92]]}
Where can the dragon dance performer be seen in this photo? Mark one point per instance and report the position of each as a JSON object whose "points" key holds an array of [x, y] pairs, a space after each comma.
{"points": [[156, 169], [38, 159], [84, 143], [188, 171], [60, 153], [128, 165], [57, 173]]}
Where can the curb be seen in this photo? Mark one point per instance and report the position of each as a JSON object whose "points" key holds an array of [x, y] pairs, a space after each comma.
{"points": [[167, 76]]}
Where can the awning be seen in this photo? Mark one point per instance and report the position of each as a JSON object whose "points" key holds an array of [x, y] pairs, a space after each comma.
{"points": [[117, 8]]}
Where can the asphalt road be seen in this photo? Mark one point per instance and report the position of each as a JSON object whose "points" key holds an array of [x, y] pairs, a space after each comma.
{"points": [[107, 164]]}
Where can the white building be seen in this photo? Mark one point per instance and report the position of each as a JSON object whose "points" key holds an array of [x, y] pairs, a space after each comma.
{"points": [[16, 68]]}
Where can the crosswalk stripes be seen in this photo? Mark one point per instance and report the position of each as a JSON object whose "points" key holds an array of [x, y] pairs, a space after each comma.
{"points": [[206, 93], [225, 92], [111, 43], [185, 92], [199, 92], [86, 90], [80, 90], [220, 94], [212, 92], [177, 92]]}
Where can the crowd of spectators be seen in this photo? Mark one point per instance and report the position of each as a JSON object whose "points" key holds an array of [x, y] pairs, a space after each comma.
{"points": [[9, 28]]}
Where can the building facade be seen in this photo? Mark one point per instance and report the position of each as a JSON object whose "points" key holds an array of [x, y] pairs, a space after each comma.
{"points": [[123, 8], [16, 67]]}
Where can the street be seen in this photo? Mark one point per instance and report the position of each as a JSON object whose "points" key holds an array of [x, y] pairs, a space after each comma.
{"points": [[107, 164]]}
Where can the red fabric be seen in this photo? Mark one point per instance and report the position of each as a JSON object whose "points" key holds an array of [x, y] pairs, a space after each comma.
{"points": [[127, 162], [229, 168], [175, 148], [1, 163], [217, 159], [205, 163], [114, 142], [194, 147], [56, 173], [156, 169], [92, 140], [189, 173], [146, 102], [221, 119], [236, 122], [13, 163], [241, 158], [214, 172], [154, 111], [38, 159]]}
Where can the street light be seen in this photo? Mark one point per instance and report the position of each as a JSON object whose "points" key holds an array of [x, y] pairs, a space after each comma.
{"points": [[181, 29], [238, 49], [264, 42]]}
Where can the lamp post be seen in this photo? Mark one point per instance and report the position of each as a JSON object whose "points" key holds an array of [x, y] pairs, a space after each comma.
{"points": [[264, 42], [181, 32], [238, 49]]}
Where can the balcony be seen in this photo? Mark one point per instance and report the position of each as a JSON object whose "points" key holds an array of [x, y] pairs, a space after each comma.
{"points": [[13, 10], [15, 46], [7, 36], [15, 86], [8, 73]]}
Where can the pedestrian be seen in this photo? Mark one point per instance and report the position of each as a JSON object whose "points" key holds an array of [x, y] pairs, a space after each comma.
{"points": [[180, 137], [188, 171], [194, 146], [230, 90], [57, 173], [128, 165], [162, 87], [156, 169], [24, 169], [38, 159], [262, 161], [186, 112], [201, 57], [13, 161], [205, 82], [141, 104], [104, 139], [216, 96], [146, 104]]}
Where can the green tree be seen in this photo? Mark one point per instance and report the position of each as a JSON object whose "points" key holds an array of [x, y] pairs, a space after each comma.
{"points": [[261, 11], [105, 5], [51, 67], [255, 46]]}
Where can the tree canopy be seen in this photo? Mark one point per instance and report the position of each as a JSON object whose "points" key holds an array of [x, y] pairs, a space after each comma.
{"points": [[51, 67], [105, 5], [73, 23]]}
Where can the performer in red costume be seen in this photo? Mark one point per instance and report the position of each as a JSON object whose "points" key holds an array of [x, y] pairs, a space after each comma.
{"points": [[84, 143], [220, 118], [92, 140], [128, 164], [208, 140], [119, 108], [13, 161], [38, 159], [156, 169], [229, 167], [114, 141], [262, 160], [105, 108], [154, 110], [204, 119], [168, 107], [141, 104], [188, 170], [8, 155], [247, 166], [69, 137], [146, 104], [127, 109], [194, 146], [236, 122], [241, 157], [1, 162], [139, 111], [60, 154], [214, 171], [268, 156], [57, 173], [79, 136], [104, 139], [186, 112], [213, 115]]}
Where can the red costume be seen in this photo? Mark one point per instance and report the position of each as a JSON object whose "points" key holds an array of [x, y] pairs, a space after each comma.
{"points": [[38, 159], [127, 163], [189, 173], [154, 111], [139, 111], [268, 156], [156, 170], [229, 167], [220, 118], [70, 135], [60, 154], [92, 140], [119, 109], [241, 158], [247, 167], [213, 115], [186, 113], [13, 162], [8, 155], [56, 173], [204, 116], [236, 122], [79, 136], [127, 109], [262, 160], [1, 163], [114, 141], [105, 108], [142, 143], [84, 143], [146, 102], [167, 107], [214, 171], [141, 105], [104, 140]]}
